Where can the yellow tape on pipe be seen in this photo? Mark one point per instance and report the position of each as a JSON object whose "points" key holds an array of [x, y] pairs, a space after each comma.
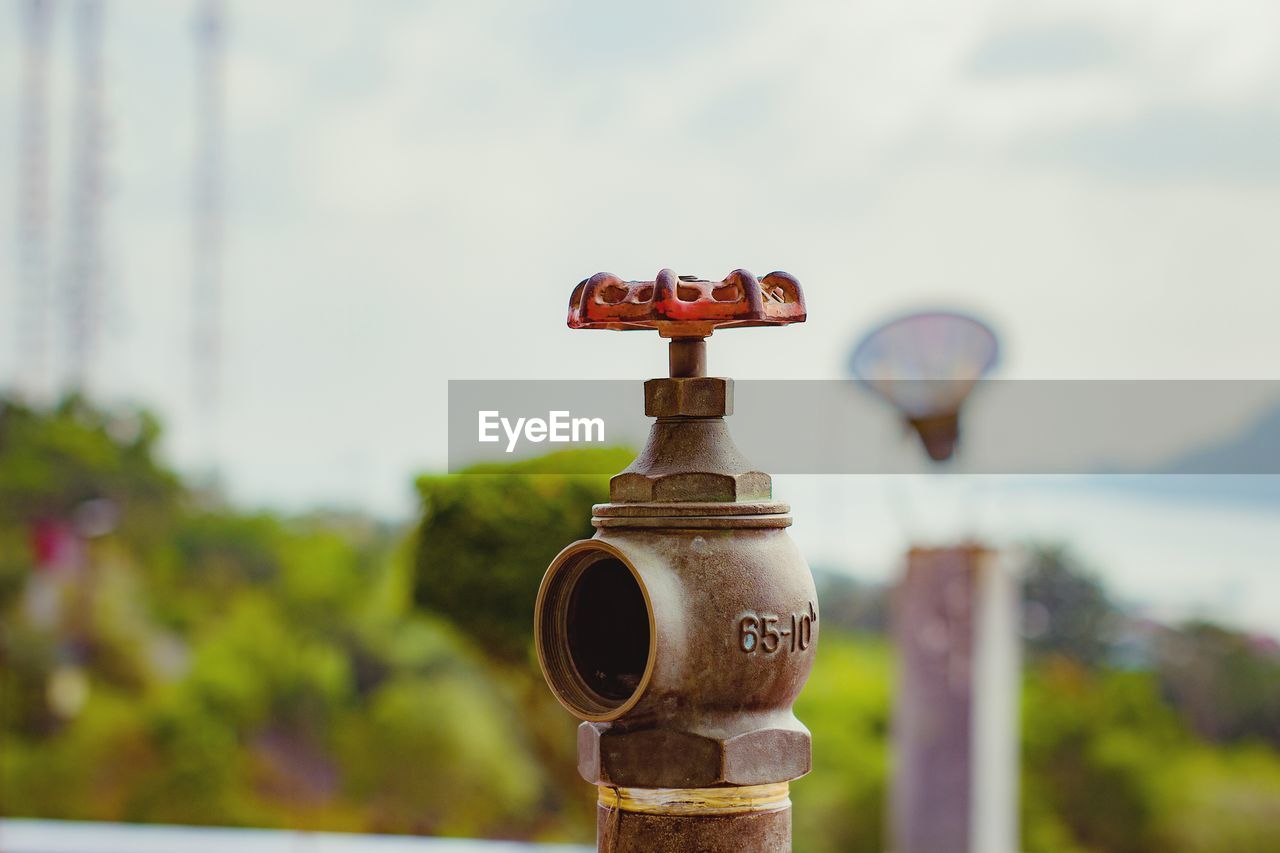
{"points": [[697, 801]]}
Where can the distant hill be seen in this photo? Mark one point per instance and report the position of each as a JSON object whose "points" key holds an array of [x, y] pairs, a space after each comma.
{"points": [[1255, 451], [1243, 469]]}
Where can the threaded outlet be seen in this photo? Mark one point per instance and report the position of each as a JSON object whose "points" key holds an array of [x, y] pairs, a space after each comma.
{"points": [[594, 631]]}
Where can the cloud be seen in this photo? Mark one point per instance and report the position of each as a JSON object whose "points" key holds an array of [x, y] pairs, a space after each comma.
{"points": [[1059, 49], [1179, 143], [413, 189]]}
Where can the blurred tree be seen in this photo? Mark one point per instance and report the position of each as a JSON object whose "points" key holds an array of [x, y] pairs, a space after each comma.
{"points": [[1226, 684], [1066, 611], [1095, 749], [52, 463], [250, 669], [1108, 765], [452, 720], [235, 668], [1223, 801], [851, 603], [840, 806], [488, 534], [73, 472]]}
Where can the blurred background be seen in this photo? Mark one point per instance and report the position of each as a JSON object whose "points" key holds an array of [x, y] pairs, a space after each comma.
{"points": [[246, 245]]}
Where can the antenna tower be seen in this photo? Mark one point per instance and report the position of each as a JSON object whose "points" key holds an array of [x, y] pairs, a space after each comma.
{"points": [[84, 244], [207, 203], [32, 221]]}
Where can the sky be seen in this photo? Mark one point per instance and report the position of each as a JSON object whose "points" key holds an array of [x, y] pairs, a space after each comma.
{"points": [[413, 189]]}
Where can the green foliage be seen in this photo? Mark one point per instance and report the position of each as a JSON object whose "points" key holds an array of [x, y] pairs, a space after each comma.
{"points": [[1227, 684], [1090, 744], [1067, 610], [1223, 800], [254, 668], [247, 669], [446, 720], [87, 771], [488, 534], [241, 669], [52, 462], [1108, 765], [840, 805]]}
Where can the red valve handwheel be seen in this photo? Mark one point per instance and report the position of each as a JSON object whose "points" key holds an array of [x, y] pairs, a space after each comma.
{"points": [[686, 306]]}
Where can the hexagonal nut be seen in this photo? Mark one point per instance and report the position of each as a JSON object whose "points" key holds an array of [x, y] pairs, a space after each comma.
{"points": [[689, 397], [630, 487], [665, 758], [767, 755]]}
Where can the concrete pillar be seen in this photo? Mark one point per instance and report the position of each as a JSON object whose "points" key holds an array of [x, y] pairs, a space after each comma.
{"points": [[955, 729]]}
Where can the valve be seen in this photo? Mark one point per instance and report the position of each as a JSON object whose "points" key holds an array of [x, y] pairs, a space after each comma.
{"points": [[682, 632], [686, 306]]}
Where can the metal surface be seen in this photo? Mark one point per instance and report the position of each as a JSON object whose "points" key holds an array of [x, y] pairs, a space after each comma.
{"points": [[682, 632], [686, 306], [633, 832]]}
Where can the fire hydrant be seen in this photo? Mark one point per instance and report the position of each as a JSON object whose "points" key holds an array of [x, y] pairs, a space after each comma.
{"points": [[683, 631]]}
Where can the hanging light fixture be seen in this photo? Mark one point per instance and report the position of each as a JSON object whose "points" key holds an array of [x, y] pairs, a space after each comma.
{"points": [[926, 365]]}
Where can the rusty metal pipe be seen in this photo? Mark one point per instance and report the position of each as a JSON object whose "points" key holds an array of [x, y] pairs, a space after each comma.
{"points": [[700, 823]]}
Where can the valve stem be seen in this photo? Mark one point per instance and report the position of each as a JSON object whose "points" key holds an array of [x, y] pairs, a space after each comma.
{"points": [[687, 357]]}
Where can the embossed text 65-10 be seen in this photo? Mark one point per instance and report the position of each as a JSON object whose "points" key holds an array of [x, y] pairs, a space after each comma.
{"points": [[769, 633]]}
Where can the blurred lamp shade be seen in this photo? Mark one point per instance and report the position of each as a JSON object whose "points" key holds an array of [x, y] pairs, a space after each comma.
{"points": [[926, 364]]}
